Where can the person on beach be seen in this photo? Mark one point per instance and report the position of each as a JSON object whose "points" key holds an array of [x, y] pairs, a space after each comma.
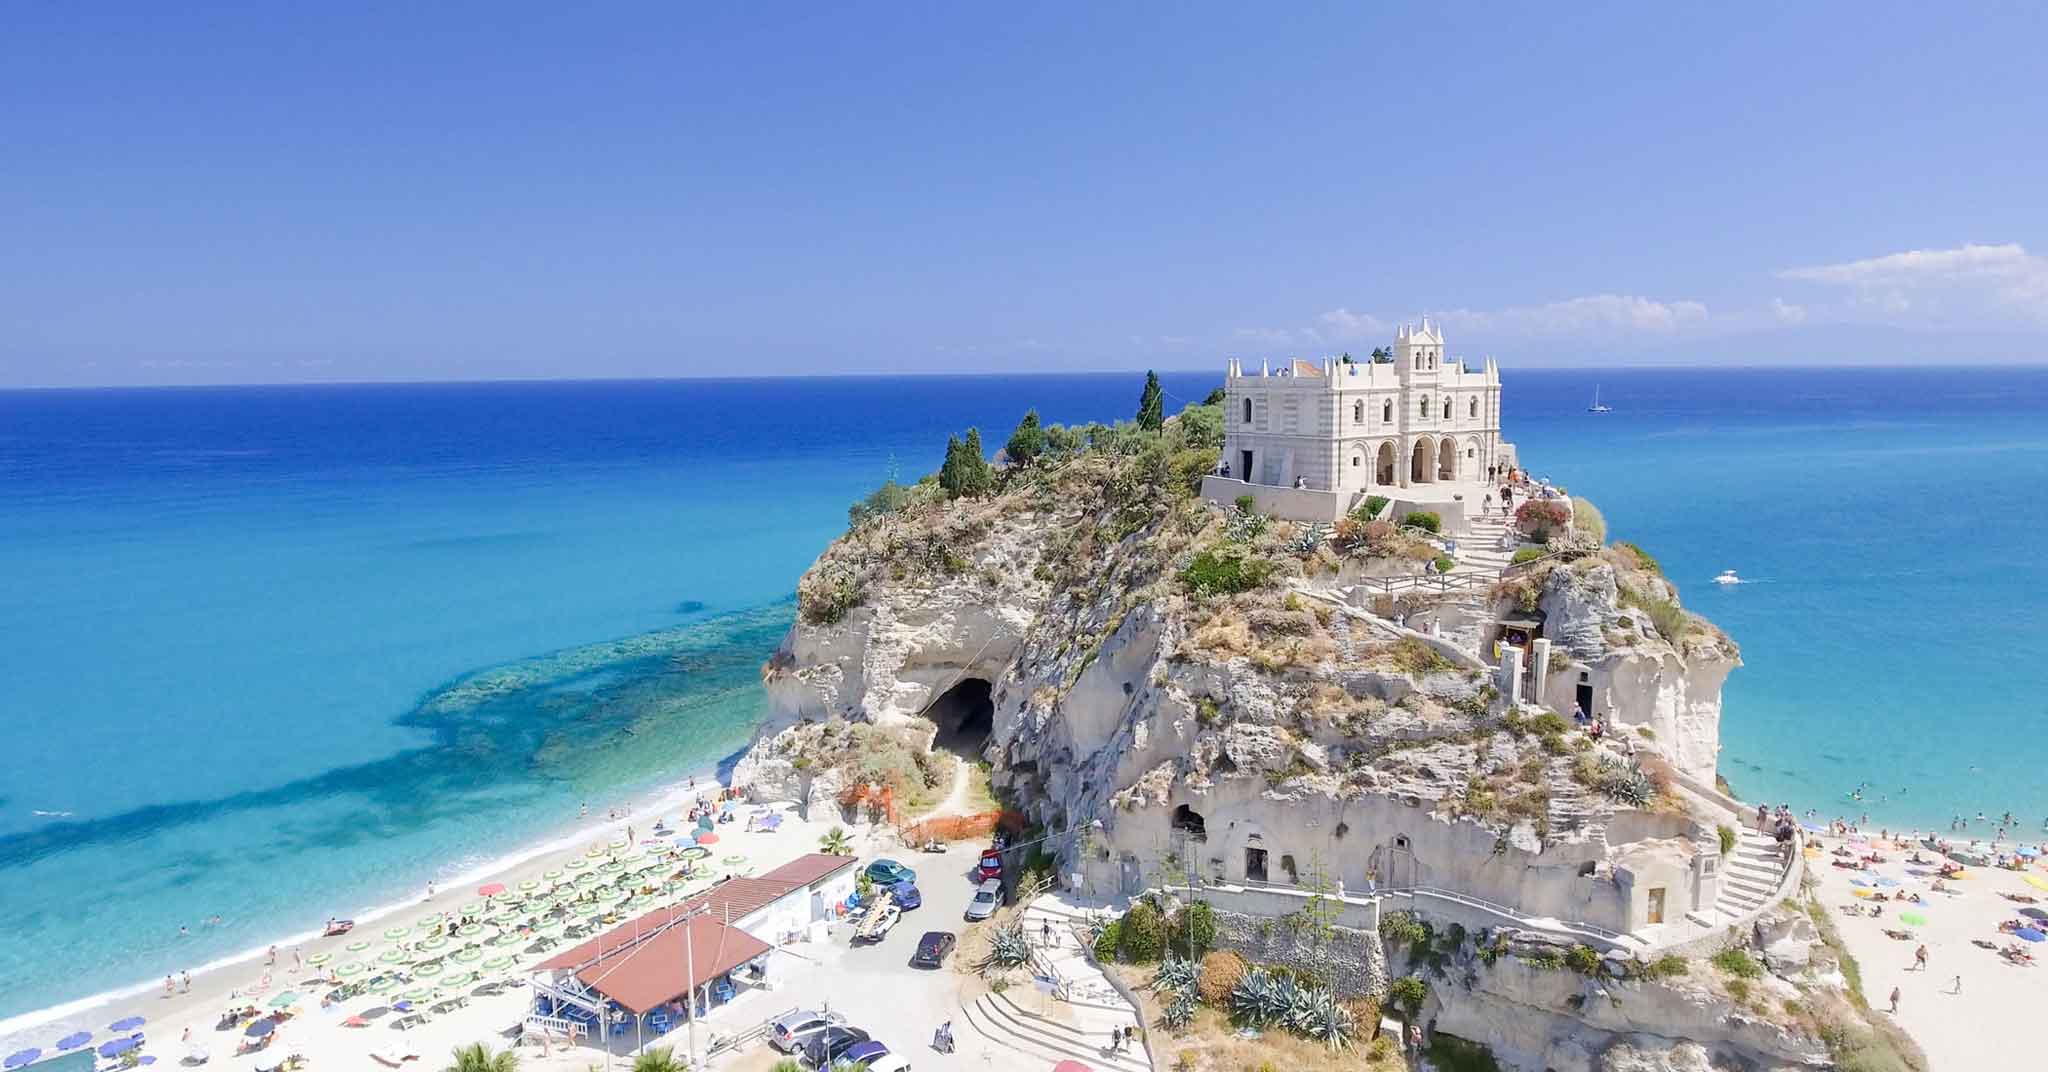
{"points": [[169, 988], [270, 961], [1958, 988], [185, 981], [1920, 959], [298, 962], [584, 811], [1895, 1001]]}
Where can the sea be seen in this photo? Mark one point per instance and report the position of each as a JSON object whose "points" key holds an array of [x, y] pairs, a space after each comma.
{"points": [[274, 654]]}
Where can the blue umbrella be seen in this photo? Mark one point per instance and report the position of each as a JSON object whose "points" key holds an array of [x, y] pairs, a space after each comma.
{"points": [[2030, 934], [74, 1040], [129, 1024], [1858, 882], [16, 1060], [120, 1046], [1887, 882], [147, 1059], [261, 1028]]}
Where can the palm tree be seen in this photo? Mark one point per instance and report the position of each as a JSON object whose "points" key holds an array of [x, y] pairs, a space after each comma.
{"points": [[836, 842], [789, 1064], [659, 1059], [477, 1057]]}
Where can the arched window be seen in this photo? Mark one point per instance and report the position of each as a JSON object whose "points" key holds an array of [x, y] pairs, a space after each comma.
{"points": [[1387, 411], [1358, 413], [1247, 411], [1418, 361], [1447, 407], [1472, 406]]}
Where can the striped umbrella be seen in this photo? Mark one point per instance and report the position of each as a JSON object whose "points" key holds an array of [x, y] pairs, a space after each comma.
{"points": [[577, 864], [419, 995], [393, 955], [318, 959], [529, 886], [429, 969], [458, 981], [473, 908], [619, 843], [503, 939], [393, 934], [611, 867], [469, 930], [551, 875], [588, 909], [436, 942], [595, 852], [467, 956], [496, 964], [357, 946], [385, 984], [348, 968], [289, 997]]}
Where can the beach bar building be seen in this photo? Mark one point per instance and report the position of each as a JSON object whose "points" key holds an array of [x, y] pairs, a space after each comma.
{"points": [[649, 974]]}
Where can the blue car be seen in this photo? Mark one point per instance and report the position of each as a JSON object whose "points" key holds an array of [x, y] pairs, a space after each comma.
{"points": [[905, 895], [864, 1052], [889, 873]]}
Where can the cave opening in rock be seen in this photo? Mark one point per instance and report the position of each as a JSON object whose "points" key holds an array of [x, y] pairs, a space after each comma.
{"points": [[964, 715]]}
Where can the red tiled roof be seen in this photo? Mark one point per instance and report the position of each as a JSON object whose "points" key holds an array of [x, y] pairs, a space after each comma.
{"points": [[654, 971]]}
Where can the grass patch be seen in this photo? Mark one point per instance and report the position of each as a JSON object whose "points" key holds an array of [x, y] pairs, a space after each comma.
{"points": [[1449, 1053], [1738, 963], [1225, 572]]}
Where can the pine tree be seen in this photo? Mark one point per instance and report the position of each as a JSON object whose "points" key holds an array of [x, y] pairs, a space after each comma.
{"points": [[951, 478], [1151, 404], [1382, 356], [1027, 442], [980, 478]]}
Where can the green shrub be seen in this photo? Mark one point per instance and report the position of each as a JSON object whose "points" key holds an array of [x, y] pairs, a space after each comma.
{"points": [[1402, 928], [1547, 723], [1643, 559], [1445, 563], [1106, 943], [1248, 503], [1194, 924], [1728, 841], [1225, 572], [1427, 520], [1408, 992], [1371, 507], [1143, 934], [1527, 554], [1668, 966], [1583, 959], [1586, 518], [1738, 962]]}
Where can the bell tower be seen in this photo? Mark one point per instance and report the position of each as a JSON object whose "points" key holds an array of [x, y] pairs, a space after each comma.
{"points": [[1418, 352]]}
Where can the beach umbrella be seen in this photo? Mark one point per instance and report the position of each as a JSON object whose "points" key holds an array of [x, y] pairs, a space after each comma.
{"points": [[74, 1040], [394, 955], [120, 1046], [260, 1028], [469, 930], [2034, 913], [473, 908], [733, 861], [595, 852], [552, 875], [357, 946], [458, 981], [289, 997], [1913, 919], [492, 889], [393, 934], [348, 968], [125, 1024], [611, 867], [419, 995], [577, 864], [529, 886], [504, 938], [619, 843], [2030, 934], [429, 969], [467, 956], [435, 942], [22, 1057], [707, 838], [318, 959], [386, 984], [1071, 1066], [588, 909]]}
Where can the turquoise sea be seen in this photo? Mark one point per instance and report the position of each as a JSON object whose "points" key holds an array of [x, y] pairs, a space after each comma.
{"points": [[279, 653]]}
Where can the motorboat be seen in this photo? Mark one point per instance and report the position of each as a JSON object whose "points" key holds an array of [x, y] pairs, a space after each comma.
{"points": [[1727, 576]]}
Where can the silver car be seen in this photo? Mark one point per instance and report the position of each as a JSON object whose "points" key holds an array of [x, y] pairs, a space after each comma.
{"points": [[792, 1029], [987, 898]]}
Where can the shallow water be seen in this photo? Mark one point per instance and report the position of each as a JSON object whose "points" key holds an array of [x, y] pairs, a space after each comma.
{"points": [[282, 653]]}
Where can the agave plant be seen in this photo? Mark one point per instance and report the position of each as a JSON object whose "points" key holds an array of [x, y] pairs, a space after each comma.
{"points": [[1176, 976], [1007, 948], [1294, 1002], [1308, 538], [1180, 1011], [1626, 784], [1258, 999], [1243, 527], [1327, 1021]]}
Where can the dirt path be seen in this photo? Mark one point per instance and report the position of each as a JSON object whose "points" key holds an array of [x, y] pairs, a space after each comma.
{"points": [[956, 800]]}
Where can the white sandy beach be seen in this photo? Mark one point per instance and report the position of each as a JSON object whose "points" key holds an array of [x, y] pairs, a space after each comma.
{"points": [[320, 1033], [1988, 1024]]}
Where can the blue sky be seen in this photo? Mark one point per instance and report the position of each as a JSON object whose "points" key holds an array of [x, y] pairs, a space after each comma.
{"points": [[261, 194]]}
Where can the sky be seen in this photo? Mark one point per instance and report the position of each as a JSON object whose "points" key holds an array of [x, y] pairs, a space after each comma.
{"points": [[202, 193]]}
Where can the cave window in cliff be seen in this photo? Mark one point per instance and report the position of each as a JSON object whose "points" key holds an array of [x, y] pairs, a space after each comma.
{"points": [[1287, 868], [1188, 821], [964, 715], [1254, 864]]}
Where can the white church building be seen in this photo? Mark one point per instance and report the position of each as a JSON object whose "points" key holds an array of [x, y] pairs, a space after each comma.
{"points": [[1312, 440]]}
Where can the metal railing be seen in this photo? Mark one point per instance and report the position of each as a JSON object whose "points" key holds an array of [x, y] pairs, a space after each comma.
{"points": [[1539, 923]]}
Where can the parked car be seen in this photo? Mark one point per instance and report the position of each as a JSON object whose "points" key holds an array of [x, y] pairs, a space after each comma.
{"points": [[932, 949], [877, 924], [991, 865], [905, 895], [887, 872], [865, 1053], [987, 898], [830, 1044], [894, 1062], [792, 1029]]}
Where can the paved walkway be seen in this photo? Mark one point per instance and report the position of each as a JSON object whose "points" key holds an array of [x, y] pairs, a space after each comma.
{"points": [[1072, 1023]]}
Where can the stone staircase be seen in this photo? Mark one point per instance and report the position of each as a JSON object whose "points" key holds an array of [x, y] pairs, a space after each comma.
{"points": [[1749, 875], [1076, 1022], [1573, 807], [1479, 552]]}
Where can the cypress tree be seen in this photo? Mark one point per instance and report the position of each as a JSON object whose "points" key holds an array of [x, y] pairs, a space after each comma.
{"points": [[1151, 404], [1027, 442]]}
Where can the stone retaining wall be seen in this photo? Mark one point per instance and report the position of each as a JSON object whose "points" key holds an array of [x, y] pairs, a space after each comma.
{"points": [[1348, 959]]}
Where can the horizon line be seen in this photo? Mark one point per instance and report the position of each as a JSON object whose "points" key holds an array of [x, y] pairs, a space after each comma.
{"points": [[2041, 362]]}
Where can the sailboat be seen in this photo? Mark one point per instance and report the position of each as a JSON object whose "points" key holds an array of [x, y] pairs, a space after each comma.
{"points": [[1596, 407]]}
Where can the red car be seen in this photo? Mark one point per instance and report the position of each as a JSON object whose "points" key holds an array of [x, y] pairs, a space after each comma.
{"points": [[991, 865]]}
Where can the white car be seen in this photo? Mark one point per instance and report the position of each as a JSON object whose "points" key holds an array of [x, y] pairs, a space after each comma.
{"points": [[890, 1062], [987, 898]]}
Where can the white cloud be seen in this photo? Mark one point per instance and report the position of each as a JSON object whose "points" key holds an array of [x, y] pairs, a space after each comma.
{"points": [[1971, 280], [1345, 324], [1592, 315], [1788, 313]]}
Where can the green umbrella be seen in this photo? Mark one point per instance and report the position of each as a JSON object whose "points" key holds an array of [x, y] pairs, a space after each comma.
{"points": [[611, 896], [467, 956], [473, 908], [318, 959], [395, 933], [611, 867], [594, 852], [577, 864], [1914, 919], [469, 930], [553, 875], [632, 856], [496, 964], [385, 984], [419, 995], [587, 909], [357, 947], [436, 942], [529, 886], [586, 880], [506, 938], [456, 982], [619, 843], [733, 860], [353, 967], [430, 968], [289, 997], [393, 955]]}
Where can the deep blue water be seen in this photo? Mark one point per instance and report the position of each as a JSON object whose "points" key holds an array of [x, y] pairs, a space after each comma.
{"points": [[287, 652]]}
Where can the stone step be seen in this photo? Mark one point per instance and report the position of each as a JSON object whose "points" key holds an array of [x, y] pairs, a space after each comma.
{"points": [[995, 1024]]}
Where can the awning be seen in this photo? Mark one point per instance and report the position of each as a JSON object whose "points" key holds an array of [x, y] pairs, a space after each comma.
{"points": [[653, 971]]}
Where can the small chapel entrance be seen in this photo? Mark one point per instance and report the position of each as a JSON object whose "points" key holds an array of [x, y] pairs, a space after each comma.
{"points": [[1585, 696], [1244, 466], [1422, 462], [1383, 471]]}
